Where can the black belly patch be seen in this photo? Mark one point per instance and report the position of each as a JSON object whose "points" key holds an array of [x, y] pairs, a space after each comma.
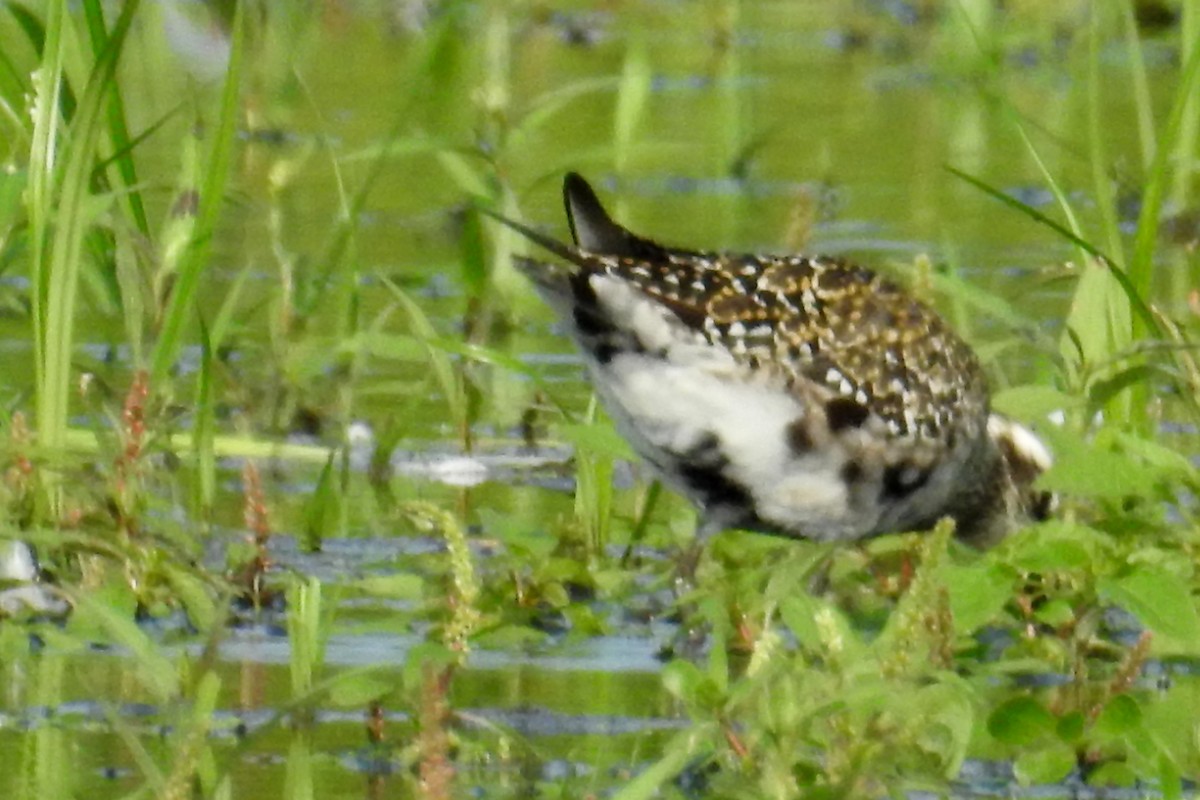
{"points": [[702, 469], [713, 488]]}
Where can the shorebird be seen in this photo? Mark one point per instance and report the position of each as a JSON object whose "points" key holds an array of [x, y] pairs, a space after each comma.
{"points": [[787, 394]]}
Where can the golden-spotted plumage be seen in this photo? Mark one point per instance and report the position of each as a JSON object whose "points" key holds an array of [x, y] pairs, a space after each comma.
{"points": [[794, 395]]}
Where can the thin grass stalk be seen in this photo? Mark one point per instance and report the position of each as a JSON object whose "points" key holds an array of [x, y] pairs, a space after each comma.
{"points": [[216, 177], [1189, 129], [1101, 183], [1141, 83], [306, 633], [189, 745], [449, 380], [1129, 406], [633, 91], [204, 427], [43, 163], [58, 266], [118, 130], [1136, 302], [298, 781], [46, 772], [1141, 266]]}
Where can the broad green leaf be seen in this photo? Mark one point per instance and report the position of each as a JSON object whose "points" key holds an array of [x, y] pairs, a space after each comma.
{"points": [[1056, 613], [1072, 726], [355, 690], [156, 670], [1161, 600], [1120, 717], [1172, 464], [510, 637], [423, 657], [597, 440], [1021, 721], [1084, 470], [1032, 402], [400, 586], [1051, 547], [685, 748], [1113, 773], [195, 595], [820, 626], [694, 687], [396, 346], [977, 593], [948, 720], [1049, 764]]}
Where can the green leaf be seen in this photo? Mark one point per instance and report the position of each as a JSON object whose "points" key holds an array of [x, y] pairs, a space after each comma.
{"points": [[1071, 727], [597, 439], [393, 346], [685, 748], [1120, 717], [977, 593], [212, 195], [555, 595], [1084, 470], [323, 511], [427, 655], [355, 690], [694, 687], [1021, 721], [1171, 464], [819, 626], [680, 678], [194, 595], [1056, 613], [400, 586], [1032, 402], [1053, 546], [1113, 773], [115, 620], [510, 637], [1045, 765], [948, 718], [1161, 600]]}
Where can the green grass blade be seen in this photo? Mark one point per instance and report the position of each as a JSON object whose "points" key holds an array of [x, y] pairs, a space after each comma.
{"points": [[632, 93], [43, 161], [204, 427], [439, 360], [1141, 267], [118, 130], [58, 275], [39, 35], [1141, 84], [211, 196], [1188, 139], [1101, 184], [1139, 306]]}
